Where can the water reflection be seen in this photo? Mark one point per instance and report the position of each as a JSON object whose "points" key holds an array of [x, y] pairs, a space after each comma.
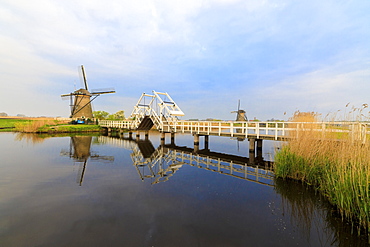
{"points": [[162, 163], [210, 208], [79, 151], [308, 209]]}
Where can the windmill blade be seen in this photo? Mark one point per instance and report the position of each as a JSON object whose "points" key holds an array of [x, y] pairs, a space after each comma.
{"points": [[98, 93], [103, 91], [84, 77], [238, 112], [66, 95]]}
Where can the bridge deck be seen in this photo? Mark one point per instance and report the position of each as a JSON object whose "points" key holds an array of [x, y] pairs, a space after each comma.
{"points": [[279, 131]]}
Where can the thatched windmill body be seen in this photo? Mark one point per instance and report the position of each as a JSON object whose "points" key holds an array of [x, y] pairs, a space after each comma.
{"points": [[80, 100]]}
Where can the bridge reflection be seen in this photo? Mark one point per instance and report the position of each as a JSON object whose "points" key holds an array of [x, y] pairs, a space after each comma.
{"points": [[163, 162]]}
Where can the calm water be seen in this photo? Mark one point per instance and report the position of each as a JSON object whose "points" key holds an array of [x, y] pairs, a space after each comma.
{"points": [[105, 191]]}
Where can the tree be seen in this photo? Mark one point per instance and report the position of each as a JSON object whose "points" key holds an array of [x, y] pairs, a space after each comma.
{"points": [[100, 114], [120, 115]]}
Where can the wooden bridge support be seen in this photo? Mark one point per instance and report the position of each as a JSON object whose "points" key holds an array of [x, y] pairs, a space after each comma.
{"points": [[254, 149], [146, 135], [163, 138], [206, 141], [121, 131], [172, 138], [196, 142], [259, 147]]}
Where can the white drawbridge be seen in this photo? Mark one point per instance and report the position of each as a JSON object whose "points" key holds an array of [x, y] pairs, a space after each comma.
{"points": [[157, 109], [160, 110]]}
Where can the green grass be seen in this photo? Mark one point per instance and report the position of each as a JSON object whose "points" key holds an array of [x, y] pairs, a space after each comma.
{"points": [[9, 124], [44, 126], [68, 128]]}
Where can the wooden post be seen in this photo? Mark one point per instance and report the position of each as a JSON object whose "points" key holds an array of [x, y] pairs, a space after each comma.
{"points": [[172, 138], [252, 147], [196, 139], [206, 141], [163, 138], [259, 147], [146, 135]]}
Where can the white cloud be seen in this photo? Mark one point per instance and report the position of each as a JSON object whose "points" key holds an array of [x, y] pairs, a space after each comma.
{"points": [[227, 48], [325, 90]]}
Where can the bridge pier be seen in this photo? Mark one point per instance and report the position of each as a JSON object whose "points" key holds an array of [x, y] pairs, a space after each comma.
{"points": [[173, 138], [254, 149], [206, 141], [105, 130], [259, 147], [146, 135], [163, 138], [130, 134], [196, 142]]}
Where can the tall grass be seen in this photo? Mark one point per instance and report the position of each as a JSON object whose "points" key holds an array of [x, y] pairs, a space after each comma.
{"points": [[32, 126], [53, 126], [338, 167]]}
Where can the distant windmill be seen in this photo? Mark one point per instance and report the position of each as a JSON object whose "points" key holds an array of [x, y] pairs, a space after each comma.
{"points": [[80, 100], [240, 114]]}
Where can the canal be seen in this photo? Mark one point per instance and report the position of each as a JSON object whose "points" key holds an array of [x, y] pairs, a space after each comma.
{"points": [[90, 190]]}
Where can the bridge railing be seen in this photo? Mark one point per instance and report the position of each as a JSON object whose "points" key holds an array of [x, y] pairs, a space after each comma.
{"points": [[272, 130], [124, 124], [275, 130]]}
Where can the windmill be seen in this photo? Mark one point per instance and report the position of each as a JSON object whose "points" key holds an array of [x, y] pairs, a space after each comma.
{"points": [[240, 114], [80, 100]]}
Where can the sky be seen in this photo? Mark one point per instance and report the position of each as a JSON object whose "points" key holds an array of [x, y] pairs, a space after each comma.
{"points": [[275, 56]]}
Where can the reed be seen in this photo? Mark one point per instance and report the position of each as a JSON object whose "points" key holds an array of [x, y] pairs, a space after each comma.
{"points": [[33, 126], [53, 126], [336, 165]]}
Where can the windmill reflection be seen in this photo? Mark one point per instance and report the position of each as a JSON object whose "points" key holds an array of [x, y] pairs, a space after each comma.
{"points": [[80, 151]]}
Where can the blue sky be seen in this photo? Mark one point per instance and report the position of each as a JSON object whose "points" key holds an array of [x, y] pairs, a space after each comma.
{"points": [[275, 56]]}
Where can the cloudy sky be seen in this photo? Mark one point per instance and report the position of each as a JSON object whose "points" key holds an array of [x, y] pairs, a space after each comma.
{"points": [[276, 56]]}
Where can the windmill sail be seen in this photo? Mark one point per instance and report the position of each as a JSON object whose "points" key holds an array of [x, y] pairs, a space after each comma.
{"points": [[81, 100]]}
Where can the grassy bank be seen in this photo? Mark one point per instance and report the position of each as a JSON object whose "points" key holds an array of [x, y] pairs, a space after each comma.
{"points": [[8, 124], [339, 169], [44, 126]]}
